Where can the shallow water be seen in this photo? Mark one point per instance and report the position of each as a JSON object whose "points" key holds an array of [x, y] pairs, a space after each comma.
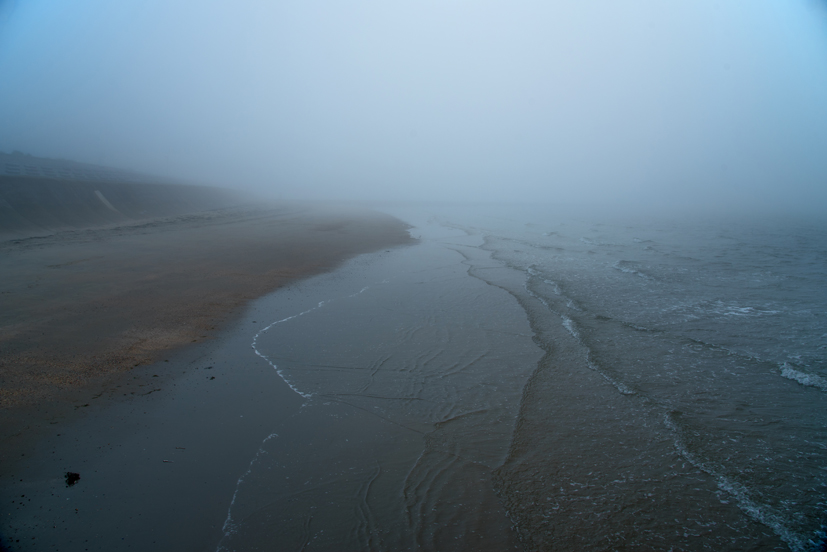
{"points": [[414, 371], [539, 380]]}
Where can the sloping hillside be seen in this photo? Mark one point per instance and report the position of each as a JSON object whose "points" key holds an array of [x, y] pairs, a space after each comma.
{"points": [[31, 205]]}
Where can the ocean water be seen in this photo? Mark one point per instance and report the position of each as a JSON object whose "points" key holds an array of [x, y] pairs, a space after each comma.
{"points": [[531, 379]]}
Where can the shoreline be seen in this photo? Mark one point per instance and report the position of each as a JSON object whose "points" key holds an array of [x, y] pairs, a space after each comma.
{"points": [[208, 271], [92, 303], [179, 465], [90, 312]]}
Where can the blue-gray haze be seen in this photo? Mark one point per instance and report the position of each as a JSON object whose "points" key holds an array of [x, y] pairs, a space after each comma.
{"points": [[701, 103]]}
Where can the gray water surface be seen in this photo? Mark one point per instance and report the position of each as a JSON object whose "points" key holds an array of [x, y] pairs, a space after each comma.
{"points": [[529, 379]]}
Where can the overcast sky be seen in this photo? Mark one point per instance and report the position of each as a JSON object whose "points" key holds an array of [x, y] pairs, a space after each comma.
{"points": [[690, 101]]}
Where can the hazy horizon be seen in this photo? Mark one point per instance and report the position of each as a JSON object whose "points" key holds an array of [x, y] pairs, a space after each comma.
{"points": [[692, 104]]}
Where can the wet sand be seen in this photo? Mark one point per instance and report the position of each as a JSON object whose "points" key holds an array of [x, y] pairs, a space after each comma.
{"points": [[158, 466], [98, 321], [214, 451]]}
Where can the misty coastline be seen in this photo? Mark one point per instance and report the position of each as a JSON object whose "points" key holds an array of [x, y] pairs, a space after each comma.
{"points": [[514, 378], [437, 276]]}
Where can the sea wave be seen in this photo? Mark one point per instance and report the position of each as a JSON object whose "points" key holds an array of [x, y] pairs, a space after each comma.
{"points": [[805, 379]]}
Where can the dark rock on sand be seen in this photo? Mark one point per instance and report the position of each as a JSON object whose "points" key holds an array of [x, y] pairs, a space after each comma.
{"points": [[72, 478]]}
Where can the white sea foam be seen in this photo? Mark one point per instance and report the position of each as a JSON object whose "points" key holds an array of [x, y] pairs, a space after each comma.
{"points": [[570, 326], [619, 385], [555, 289], [805, 379], [620, 265], [731, 309], [738, 311], [568, 323], [762, 513]]}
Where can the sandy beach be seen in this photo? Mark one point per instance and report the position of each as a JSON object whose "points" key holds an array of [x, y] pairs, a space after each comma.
{"points": [[81, 304], [85, 311]]}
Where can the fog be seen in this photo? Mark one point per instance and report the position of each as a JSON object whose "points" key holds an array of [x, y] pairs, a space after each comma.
{"points": [[645, 102]]}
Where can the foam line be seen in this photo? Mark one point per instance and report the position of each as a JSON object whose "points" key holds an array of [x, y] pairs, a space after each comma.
{"points": [[761, 513], [805, 379], [275, 367], [229, 527]]}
